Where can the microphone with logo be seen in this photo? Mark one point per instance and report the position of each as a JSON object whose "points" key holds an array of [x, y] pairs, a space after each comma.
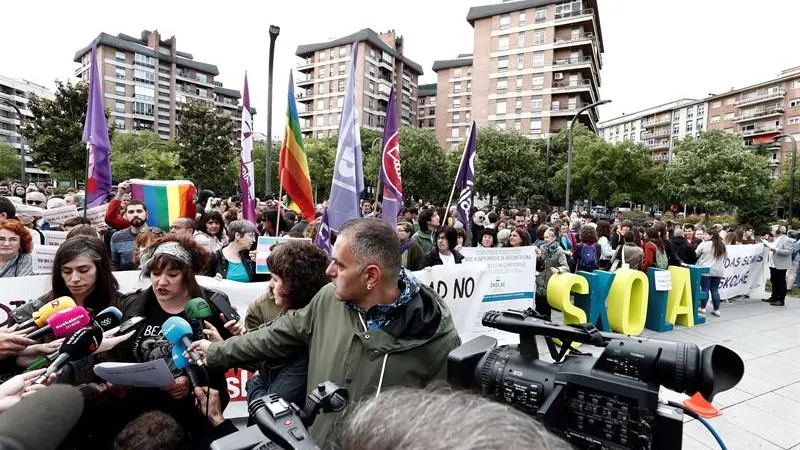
{"points": [[197, 376], [177, 330], [197, 310], [63, 323], [79, 345], [39, 318], [42, 420]]}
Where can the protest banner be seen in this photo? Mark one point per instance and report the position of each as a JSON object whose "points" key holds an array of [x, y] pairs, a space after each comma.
{"points": [[97, 215], [510, 283], [263, 250], [745, 272], [54, 237], [27, 210], [43, 256], [462, 287], [60, 215]]}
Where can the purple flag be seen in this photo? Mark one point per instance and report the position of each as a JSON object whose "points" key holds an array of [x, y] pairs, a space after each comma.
{"points": [[246, 174], [95, 134], [323, 238], [390, 167], [348, 171], [465, 180]]}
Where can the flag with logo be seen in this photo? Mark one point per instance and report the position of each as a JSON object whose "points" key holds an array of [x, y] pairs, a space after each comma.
{"points": [[390, 166], [465, 180], [323, 238], [246, 173], [95, 134]]}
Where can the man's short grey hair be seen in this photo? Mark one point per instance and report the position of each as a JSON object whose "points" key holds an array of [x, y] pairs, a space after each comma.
{"points": [[677, 232], [242, 227], [373, 241], [441, 419], [187, 222]]}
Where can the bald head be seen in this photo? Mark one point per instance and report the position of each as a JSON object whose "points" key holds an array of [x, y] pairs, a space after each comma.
{"points": [[182, 227]]}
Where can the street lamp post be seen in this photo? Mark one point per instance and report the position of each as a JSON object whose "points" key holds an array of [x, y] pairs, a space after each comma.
{"points": [[569, 144], [779, 138], [22, 153], [274, 31]]}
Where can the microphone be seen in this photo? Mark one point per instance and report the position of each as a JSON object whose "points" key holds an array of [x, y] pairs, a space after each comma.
{"points": [[42, 420], [181, 363], [79, 345], [108, 318], [39, 318], [197, 310], [177, 330], [63, 323], [43, 361]]}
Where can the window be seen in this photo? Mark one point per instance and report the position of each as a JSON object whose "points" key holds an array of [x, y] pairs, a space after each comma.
{"points": [[520, 62], [716, 104], [502, 63], [538, 37], [728, 116], [730, 101], [522, 18], [469, 86], [536, 126], [518, 125], [145, 109], [501, 125], [454, 132], [676, 129], [120, 56], [456, 88], [689, 114], [502, 85], [119, 124], [540, 15], [502, 43], [142, 60], [538, 59], [145, 93], [371, 70], [320, 104], [119, 89], [320, 120], [501, 107], [518, 106], [794, 102], [457, 72], [519, 84], [699, 125], [469, 99], [457, 102], [321, 88], [144, 76], [343, 51], [119, 106], [343, 69], [537, 82], [521, 40], [332, 53], [456, 117], [555, 105], [714, 119], [505, 21], [120, 73], [322, 72], [794, 120], [689, 126], [341, 86], [701, 110], [371, 86], [203, 78], [536, 103]]}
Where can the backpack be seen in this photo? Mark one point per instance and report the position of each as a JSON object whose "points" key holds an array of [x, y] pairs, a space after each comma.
{"points": [[588, 258], [662, 262]]}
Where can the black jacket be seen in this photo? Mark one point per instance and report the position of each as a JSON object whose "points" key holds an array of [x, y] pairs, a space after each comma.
{"points": [[683, 249], [433, 258], [219, 265], [476, 234]]}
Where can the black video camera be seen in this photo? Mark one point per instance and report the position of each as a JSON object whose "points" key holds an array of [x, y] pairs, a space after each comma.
{"points": [[282, 425], [607, 402]]}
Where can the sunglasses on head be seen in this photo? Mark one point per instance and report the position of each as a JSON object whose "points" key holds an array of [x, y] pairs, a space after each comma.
{"points": [[34, 202]]}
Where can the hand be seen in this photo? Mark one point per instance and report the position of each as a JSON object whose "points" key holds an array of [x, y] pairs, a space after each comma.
{"points": [[19, 386], [554, 270], [209, 402], [179, 389], [110, 341], [234, 327], [33, 352], [211, 332], [14, 342], [201, 347], [122, 189]]}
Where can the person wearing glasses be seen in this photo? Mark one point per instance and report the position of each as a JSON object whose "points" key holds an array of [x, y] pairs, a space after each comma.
{"points": [[182, 227], [15, 250], [234, 262], [36, 198]]}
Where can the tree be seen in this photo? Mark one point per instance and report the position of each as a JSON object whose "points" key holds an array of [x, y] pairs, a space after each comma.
{"points": [[54, 134], [9, 162], [321, 156], [144, 155], [718, 172], [508, 164], [205, 147]]}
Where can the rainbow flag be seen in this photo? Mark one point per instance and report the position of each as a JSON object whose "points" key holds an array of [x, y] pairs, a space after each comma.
{"points": [[165, 200], [293, 165]]}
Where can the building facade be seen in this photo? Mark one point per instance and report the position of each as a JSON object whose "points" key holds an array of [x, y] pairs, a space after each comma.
{"points": [[147, 81], [658, 128], [454, 99], [18, 92], [381, 65], [426, 106]]}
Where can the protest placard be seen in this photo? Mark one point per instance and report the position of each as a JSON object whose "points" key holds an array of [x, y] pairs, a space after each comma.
{"points": [[97, 215], [60, 215], [27, 210], [54, 237], [462, 287], [43, 256], [663, 280], [263, 250]]}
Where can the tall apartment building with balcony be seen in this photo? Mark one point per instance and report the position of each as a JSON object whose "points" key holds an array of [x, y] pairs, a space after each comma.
{"points": [[760, 112], [535, 64], [17, 93], [147, 80], [426, 106], [658, 128], [453, 99], [381, 65]]}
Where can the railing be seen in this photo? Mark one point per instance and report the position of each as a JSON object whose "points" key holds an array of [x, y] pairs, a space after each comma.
{"points": [[759, 130], [656, 134], [565, 85], [571, 61], [658, 145], [760, 113], [760, 96], [579, 37], [653, 122], [572, 14]]}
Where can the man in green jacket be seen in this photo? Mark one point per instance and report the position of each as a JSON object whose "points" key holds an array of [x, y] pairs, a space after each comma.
{"points": [[372, 328], [428, 222]]}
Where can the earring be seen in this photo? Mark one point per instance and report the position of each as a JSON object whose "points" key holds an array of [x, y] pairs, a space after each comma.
{"points": [[369, 287]]}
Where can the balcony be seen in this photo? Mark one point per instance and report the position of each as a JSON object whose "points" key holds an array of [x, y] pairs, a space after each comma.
{"points": [[658, 145], [568, 86], [657, 121], [305, 113], [589, 12], [303, 97], [579, 39], [761, 130], [305, 65], [656, 134], [308, 81], [573, 61], [766, 112], [760, 97]]}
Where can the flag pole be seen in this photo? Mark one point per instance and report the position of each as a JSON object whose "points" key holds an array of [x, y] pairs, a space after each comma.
{"points": [[280, 198], [453, 191], [86, 183]]}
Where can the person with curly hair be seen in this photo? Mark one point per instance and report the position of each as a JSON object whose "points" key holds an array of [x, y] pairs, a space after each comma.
{"points": [[211, 231], [15, 250]]}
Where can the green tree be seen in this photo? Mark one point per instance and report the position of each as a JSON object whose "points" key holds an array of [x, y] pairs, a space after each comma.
{"points": [[321, 156], [54, 134], [508, 164], [144, 155], [9, 162], [205, 147]]}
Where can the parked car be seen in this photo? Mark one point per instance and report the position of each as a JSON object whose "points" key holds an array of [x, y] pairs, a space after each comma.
{"points": [[602, 213]]}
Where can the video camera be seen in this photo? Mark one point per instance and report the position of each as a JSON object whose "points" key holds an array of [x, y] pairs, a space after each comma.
{"points": [[607, 402], [282, 425]]}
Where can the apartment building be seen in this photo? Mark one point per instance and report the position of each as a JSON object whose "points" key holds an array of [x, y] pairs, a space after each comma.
{"points": [[426, 106], [761, 112], [381, 65], [147, 81], [658, 128], [535, 64], [454, 99], [17, 93]]}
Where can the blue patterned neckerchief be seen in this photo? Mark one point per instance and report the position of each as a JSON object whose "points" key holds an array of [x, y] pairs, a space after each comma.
{"points": [[379, 315]]}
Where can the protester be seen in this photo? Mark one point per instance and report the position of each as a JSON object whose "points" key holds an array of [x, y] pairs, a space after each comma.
{"points": [[445, 252], [629, 253], [15, 250], [711, 254], [655, 254], [476, 228], [682, 247], [428, 223], [606, 251], [19, 191], [123, 241], [411, 252], [780, 261], [518, 237], [82, 230], [298, 273], [210, 231], [539, 234], [502, 237], [36, 199], [182, 227], [233, 262], [489, 238], [587, 252], [690, 235], [273, 223], [550, 260], [353, 337], [461, 236]]}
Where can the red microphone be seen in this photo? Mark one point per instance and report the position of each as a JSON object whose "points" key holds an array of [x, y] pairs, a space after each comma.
{"points": [[63, 323]]}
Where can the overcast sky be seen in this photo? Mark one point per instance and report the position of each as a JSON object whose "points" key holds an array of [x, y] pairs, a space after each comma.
{"points": [[655, 51]]}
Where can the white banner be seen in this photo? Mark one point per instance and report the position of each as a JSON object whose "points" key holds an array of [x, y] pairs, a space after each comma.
{"points": [[745, 271], [97, 215], [43, 256], [462, 287], [54, 237], [60, 215], [510, 284]]}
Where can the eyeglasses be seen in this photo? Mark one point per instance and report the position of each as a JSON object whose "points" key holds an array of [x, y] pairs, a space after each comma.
{"points": [[34, 202], [156, 231]]}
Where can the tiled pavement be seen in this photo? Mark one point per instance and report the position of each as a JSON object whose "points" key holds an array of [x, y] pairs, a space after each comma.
{"points": [[763, 410]]}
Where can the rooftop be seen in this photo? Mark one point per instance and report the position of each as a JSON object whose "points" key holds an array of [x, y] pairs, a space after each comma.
{"points": [[426, 89], [233, 93], [461, 61], [367, 34], [646, 112]]}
